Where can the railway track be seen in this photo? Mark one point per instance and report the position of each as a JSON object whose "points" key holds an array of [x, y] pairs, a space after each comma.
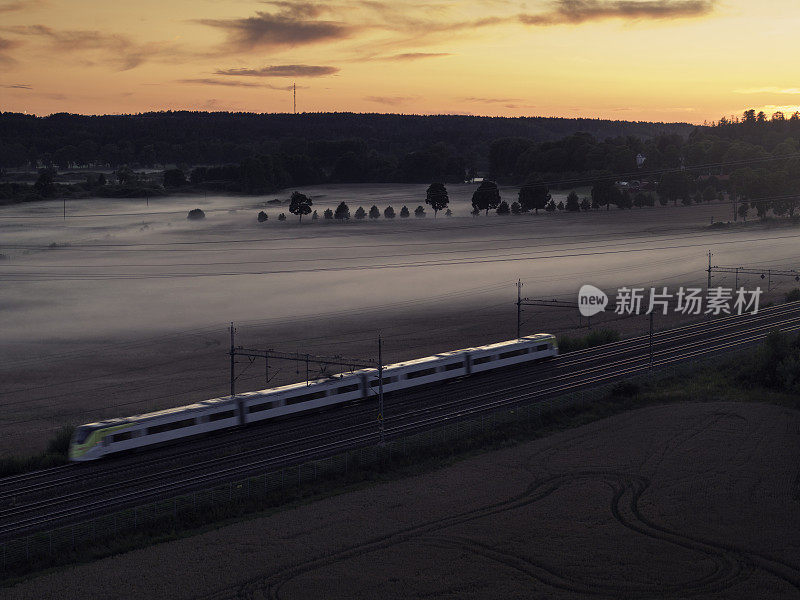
{"points": [[28, 502]]}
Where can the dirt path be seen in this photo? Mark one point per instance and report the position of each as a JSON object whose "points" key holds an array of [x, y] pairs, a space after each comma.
{"points": [[694, 500]]}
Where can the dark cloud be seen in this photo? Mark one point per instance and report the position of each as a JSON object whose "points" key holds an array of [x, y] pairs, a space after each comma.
{"points": [[282, 71], [6, 60], [118, 50], [580, 11], [414, 56], [234, 83], [17, 86], [267, 30], [390, 100]]}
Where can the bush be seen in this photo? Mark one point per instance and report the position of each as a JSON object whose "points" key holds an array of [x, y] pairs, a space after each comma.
{"points": [[282, 217], [595, 338], [196, 214], [419, 212], [59, 443], [262, 216], [793, 296]]}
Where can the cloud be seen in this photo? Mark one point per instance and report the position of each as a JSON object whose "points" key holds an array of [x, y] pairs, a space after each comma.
{"points": [[282, 71], [6, 7], [235, 83], [768, 90], [118, 50], [298, 10], [414, 56], [17, 86], [580, 11], [491, 100], [390, 100], [286, 28]]}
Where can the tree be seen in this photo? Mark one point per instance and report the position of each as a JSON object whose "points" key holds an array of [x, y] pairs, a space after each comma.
{"points": [[436, 196], [374, 213], [404, 214], [573, 203], [45, 183], [486, 197], [388, 213], [101, 180], [475, 211], [503, 208], [448, 213], [742, 210], [560, 205], [675, 185], [709, 193], [300, 205], [328, 214], [585, 204], [551, 206], [282, 217], [314, 216], [639, 200], [515, 208], [534, 195], [360, 213], [174, 178], [419, 212], [605, 192], [342, 211], [262, 216], [196, 214]]}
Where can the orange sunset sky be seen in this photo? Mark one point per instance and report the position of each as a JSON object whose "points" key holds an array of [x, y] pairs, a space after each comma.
{"points": [[656, 60]]}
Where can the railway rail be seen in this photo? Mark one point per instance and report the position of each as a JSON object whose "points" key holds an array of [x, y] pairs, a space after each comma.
{"points": [[41, 499]]}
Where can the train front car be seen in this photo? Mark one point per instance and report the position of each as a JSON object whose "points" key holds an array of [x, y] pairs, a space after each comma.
{"points": [[89, 441]]}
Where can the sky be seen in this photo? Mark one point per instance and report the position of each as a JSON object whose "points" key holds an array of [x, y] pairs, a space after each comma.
{"points": [[651, 60]]}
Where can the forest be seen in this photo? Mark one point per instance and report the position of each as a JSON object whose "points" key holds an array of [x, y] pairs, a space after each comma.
{"points": [[151, 154]]}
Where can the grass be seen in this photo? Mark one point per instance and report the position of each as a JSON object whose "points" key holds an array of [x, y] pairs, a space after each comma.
{"points": [[56, 454], [590, 340], [704, 384]]}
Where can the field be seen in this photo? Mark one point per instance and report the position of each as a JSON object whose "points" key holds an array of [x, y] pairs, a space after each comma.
{"points": [[687, 500], [123, 307]]}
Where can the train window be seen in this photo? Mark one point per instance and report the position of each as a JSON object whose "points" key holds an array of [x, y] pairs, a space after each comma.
{"points": [[348, 388], [421, 373], [121, 437], [482, 359], [82, 433], [170, 426], [218, 416], [454, 366], [307, 397], [260, 407], [542, 347], [511, 353], [386, 381]]}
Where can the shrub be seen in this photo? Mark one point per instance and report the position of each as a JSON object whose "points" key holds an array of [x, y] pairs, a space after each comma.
{"points": [[793, 296], [419, 212], [196, 214], [262, 216], [328, 214], [595, 338], [389, 212], [282, 217]]}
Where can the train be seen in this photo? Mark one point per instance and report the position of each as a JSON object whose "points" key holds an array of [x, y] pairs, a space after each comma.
{"points": [[97, 440]]}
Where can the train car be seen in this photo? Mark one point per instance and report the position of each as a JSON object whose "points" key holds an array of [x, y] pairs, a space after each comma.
{"points": [[95, 440]]}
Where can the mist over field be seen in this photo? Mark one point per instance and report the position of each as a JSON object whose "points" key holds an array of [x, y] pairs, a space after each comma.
{"points": [[119, 267]]}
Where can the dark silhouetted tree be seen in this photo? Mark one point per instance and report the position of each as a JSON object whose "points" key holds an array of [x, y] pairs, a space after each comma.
{"points": [[328, 214], [262, 216], [196, 214], [534, 195], [388, 213], [282, 217], [560, 205], [551, 206], [342, 212], [585, 204], [300, 205], [404, 214], [448, 213], [436, 196], [360, 213], [503, 208], [419, 212], [573, 203], [374, 213], [45, 183], [174, 178], [486, 197], [314, 216], [516, 208]]}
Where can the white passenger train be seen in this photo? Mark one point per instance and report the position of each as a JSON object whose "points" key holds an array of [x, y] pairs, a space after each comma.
{"points": [[96, 440]]}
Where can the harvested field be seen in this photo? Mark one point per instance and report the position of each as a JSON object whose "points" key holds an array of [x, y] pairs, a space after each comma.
{"points": [[678, 501]]}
